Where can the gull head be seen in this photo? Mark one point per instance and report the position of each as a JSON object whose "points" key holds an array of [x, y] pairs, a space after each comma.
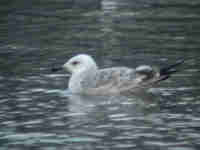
{"points": [[79, 64]]}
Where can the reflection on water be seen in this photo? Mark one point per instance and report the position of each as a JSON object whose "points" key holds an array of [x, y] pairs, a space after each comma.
{"points": [[36, 112]]}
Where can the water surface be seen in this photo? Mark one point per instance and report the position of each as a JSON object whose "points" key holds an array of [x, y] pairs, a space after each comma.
{"points": [[37, 113]]}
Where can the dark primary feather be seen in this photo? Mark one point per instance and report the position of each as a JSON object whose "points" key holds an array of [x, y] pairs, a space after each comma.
{"points": [[167, 71]]}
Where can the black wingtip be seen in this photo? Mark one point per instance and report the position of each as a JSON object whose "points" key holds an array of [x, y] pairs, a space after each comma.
{"points": [[170, 69]]}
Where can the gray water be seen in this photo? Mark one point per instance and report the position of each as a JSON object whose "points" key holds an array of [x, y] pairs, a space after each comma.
{"points": [[36, 112]]}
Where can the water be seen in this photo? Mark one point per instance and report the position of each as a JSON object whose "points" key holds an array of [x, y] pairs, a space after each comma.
{"points": [[37, 113]]}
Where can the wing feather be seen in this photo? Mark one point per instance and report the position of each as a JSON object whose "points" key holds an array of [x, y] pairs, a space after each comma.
{"points": [[117, 80]]}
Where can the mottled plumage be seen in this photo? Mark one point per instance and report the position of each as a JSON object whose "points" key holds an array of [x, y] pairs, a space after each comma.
{"points": [[87, 79]]}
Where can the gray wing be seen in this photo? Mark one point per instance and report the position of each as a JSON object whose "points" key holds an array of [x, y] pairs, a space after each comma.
{"points": [[117, 80], [116, 76]]}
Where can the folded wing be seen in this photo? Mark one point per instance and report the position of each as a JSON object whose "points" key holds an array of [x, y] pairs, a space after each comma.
{"points": [[118, 80]]}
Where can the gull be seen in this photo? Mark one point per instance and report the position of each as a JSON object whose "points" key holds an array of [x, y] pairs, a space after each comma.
{"points": [[87, 79]]}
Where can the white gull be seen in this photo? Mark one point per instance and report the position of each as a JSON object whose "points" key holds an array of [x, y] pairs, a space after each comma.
{"points": [[87, 78]]}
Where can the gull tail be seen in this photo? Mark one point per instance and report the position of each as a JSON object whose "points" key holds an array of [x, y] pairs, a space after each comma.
{"points": [[167, 71]]}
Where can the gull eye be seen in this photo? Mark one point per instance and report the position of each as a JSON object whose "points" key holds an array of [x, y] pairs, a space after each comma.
{"points": [[75, 63]]}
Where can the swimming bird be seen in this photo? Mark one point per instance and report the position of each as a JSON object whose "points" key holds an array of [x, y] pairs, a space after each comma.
{"points": [[86, 77]]}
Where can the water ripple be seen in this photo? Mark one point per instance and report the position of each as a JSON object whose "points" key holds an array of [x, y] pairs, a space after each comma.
{"points": [[36, 110]]}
